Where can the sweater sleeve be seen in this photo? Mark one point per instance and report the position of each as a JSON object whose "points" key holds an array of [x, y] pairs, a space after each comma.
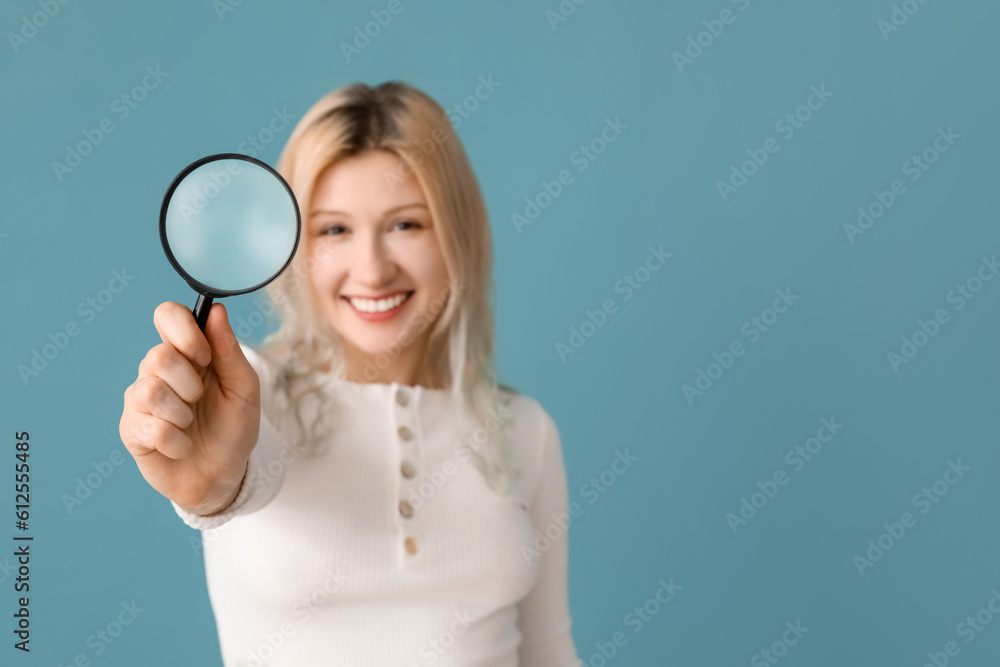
{"points": [[543, 614], [265, 467]]}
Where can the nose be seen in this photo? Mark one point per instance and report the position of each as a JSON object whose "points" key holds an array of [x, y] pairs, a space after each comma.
{"points": [[371, 263]]}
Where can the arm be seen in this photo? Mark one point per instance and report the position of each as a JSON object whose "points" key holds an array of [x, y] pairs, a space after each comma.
{"points": [[265, 467], [543, 615]]}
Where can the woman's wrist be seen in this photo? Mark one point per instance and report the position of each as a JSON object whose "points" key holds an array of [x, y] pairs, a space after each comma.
{"points": [[220, 503]]}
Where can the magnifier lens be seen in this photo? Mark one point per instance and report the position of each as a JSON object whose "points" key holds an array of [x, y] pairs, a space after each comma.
{"points": [[229, 224]]}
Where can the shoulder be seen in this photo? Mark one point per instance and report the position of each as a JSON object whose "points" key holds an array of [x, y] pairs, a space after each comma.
{"points": [[534, 432], [528, 412]]}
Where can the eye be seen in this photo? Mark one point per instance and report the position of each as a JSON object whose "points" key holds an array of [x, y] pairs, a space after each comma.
{"points": [[412, 224], [334, 229]]}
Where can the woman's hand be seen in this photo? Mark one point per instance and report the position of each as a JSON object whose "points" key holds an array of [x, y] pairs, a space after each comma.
{"points": [[192, 417]]}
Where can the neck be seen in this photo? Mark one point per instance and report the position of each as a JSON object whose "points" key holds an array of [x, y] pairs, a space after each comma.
{"points": [[410, 367]]}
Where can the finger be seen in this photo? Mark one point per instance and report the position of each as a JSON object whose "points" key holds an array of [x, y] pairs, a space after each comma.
{"points": [[165, 362], [177, 326], [230, 364], [139, 450], [151, 432], [131, 437], [137, 435], [154, 396]]}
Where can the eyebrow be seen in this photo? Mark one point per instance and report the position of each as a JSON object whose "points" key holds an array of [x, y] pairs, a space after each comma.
{"points": [[390, 211]]}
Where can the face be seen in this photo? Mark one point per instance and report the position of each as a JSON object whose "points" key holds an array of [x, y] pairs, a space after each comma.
{"points": [[378, 263]]}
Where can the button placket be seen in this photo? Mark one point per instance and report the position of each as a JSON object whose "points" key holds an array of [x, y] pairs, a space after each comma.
{"points": [[407, 516]]}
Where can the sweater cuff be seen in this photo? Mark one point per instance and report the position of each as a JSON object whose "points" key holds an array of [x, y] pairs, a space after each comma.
{"points": [[258, 486]]}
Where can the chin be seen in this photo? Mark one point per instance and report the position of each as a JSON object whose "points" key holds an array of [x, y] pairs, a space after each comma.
{"points": [[372, 344]]}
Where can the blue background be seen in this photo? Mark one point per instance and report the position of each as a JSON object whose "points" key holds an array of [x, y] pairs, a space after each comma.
{"points": [[826, 357]]}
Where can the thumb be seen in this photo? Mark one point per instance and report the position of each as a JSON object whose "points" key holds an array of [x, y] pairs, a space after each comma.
{"points": [[228, 360]]}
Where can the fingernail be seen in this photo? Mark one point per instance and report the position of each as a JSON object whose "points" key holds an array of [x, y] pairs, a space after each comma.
{"points": [[204, 359]]}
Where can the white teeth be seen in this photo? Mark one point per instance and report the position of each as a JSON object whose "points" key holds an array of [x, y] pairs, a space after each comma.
{"points": [[380, 306]]}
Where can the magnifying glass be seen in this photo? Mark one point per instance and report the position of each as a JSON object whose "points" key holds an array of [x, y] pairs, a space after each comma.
{"points": [[229, 224]]}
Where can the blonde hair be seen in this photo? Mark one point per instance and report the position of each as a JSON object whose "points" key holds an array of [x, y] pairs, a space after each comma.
{"points": [[407, 122]]}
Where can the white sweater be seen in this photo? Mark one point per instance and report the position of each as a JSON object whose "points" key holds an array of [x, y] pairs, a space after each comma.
{"points": [[318, 561]]}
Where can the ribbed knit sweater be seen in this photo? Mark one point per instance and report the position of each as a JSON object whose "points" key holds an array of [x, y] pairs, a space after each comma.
{"points": [[388, 548]]}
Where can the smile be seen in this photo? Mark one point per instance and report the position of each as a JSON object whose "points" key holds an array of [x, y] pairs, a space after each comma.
{"points": [[378, 309]]}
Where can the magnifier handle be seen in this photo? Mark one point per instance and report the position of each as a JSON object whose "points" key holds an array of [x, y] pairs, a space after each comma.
{"points": [[200, 311]]}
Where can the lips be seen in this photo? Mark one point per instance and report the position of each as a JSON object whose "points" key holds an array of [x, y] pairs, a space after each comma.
{"points": [[381, 308]]}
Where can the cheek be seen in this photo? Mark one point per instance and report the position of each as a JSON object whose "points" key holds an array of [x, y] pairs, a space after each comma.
{"points": [[322, 262], [323, 276], [428, 265], [320, 251]]}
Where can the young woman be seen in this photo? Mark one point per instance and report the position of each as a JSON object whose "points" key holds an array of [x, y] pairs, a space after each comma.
{"points": [[369, 494]]}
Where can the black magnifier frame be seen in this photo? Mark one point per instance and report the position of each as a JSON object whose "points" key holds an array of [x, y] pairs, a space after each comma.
{"points": [[206, 293]]}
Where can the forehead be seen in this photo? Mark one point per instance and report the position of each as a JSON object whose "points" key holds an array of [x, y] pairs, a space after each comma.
{"points": [[369, 183]]}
